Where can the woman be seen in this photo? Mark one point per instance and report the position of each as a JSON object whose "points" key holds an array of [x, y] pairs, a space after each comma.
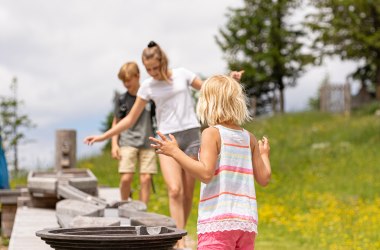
{"points": [[169, 90]]}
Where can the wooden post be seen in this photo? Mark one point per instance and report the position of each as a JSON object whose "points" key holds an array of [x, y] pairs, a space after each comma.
{"points": [[347, 99], [66, 147], [8, 201]]}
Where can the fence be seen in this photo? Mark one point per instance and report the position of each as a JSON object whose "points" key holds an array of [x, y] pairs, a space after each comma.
{"points": [[335, 98]]}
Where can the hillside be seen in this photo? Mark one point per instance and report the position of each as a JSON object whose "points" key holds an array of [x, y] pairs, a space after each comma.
{"points": [[324, 192]]}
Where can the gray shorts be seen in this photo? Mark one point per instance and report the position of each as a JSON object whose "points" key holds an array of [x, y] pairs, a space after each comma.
{"points": [[188, 140]]}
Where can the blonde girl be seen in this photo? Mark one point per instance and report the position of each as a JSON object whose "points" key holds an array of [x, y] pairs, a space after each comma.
{"points": [[230, 159]]}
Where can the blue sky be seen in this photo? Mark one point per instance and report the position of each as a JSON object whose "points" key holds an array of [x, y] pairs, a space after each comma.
{"points": [[66, 56]]}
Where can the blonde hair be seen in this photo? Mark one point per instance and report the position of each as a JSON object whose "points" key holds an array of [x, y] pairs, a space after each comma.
{"points": [[128, 70], [154, 51], [222, 100]]}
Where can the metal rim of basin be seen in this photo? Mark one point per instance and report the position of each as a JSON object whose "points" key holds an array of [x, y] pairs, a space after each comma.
{"points": [[111, 233]]}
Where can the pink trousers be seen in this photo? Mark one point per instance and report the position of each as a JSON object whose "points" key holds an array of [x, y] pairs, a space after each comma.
{"points": [[227, 240]]}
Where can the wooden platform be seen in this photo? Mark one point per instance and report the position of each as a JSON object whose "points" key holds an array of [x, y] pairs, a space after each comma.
{"points": [[30, 220]]}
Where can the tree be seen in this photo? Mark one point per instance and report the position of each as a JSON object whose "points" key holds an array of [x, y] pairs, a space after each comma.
{"points": [[258, 39], [106, 125], [12, 123], [351, 30]]}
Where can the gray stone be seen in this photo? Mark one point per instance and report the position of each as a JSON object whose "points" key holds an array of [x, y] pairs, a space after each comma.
{"points": [[152, 220], [113, 213], [86, 221], [42, 182], [70, 192], [133, 205], [76, 207], [138, 217], [64, 219]]}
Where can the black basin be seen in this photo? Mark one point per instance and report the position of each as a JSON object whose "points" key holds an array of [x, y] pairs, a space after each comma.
{"points": [[127, 237]]}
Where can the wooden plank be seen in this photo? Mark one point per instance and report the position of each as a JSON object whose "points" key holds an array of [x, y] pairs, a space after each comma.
{"points": [[28, 221]]}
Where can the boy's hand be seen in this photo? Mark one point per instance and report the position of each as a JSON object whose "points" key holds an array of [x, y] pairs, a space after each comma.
{"points": [[264, 147], [115, 152], [89, 140], [164, 146]]}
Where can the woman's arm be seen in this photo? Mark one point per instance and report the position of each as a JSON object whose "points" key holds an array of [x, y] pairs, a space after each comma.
{"points": [[237, 75], [260, 159], [123, 124], [204, 168], [197, 83]]}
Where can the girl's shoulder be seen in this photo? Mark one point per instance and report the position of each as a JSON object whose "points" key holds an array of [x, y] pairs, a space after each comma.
{"points": [[211, 130], [211, 133], [211, 136]]}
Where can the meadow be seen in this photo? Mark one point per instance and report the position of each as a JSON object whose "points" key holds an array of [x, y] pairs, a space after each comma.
{"points": [[324, 192]]}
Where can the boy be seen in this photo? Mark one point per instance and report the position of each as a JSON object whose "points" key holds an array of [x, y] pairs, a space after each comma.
{"points": [[133, 145]]}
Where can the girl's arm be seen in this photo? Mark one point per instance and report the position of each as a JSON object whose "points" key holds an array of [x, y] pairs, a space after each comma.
{"points": [[260, 159], [123, 124], [204, 168]]}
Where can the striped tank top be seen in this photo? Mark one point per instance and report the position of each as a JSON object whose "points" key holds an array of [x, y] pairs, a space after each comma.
{"points": [[228, 202]]}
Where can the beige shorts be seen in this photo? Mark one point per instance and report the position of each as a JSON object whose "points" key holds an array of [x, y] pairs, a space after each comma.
{"points": [[146, 158]]}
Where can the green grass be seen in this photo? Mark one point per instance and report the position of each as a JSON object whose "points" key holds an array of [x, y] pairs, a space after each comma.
{"points": [[324, 192]]}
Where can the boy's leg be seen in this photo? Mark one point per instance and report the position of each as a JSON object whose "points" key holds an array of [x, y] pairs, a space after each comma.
{"points": [[125, 185], [145, 182], [126, 170], [148, 166]]}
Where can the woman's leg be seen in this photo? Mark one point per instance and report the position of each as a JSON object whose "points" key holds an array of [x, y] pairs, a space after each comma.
{"points": [[172, 173], [188, 184]]}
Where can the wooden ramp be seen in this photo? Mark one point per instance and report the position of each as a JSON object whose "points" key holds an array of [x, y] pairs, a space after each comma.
{"points": [[30, 220]]}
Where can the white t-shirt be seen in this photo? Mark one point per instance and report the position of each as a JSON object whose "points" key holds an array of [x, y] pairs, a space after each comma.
{"points": [[174, 104]]}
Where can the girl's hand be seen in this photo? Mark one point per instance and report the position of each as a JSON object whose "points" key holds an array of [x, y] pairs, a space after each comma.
{"points": [[89, 140], [264, 147], [164, 146], [237, 74]]}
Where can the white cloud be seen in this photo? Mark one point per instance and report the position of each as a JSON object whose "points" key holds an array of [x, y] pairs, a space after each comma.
{"points": [[66, 55]]}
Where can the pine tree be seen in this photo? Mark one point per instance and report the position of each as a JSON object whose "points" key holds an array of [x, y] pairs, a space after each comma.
{"points": [[259, 39]]}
